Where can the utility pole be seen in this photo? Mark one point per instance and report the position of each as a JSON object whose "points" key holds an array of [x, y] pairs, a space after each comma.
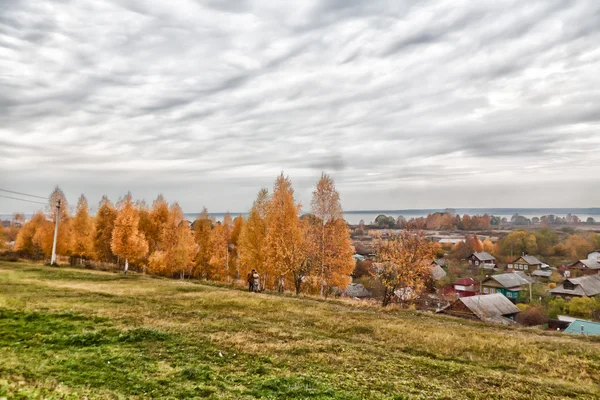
{"points": [[53, 260]]}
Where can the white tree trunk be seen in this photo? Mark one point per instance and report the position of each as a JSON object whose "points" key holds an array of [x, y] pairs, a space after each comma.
{"points": [[126, 265]]}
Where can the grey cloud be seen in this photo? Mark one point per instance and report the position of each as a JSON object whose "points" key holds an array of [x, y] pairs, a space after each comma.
{"points": [[208, 101]]}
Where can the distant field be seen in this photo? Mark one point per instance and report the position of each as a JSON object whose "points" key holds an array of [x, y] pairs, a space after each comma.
{"points": [[71, 333]]}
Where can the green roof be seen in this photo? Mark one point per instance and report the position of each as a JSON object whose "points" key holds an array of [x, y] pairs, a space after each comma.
{"points": [[589, 328]]}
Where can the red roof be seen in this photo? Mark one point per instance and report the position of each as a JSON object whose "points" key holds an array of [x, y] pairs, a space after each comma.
{"points": [[466, 282]]}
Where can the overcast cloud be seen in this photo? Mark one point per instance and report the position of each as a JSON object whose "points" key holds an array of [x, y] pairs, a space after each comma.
{"points": [[407, 104]]}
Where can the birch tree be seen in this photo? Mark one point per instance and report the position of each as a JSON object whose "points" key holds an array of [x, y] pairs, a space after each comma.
{"points": [[127, 241]]}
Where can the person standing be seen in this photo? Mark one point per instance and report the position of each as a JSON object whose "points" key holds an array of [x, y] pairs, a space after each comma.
{"points": [[251, 280]]}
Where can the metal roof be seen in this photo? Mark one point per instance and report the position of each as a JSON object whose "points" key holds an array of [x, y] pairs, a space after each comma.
{"points": [[591, 264], [546, 273], [490, 305], [584, 286], [512, 279], [582, 327], [531, 260], [484, 256], [437, 272]]}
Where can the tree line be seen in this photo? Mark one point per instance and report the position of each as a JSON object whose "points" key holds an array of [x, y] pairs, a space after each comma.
{"points": [[309, 253]]}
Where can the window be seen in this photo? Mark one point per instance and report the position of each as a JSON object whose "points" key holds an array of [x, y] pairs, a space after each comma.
{"points": [[508, 294], [492, 290], [485, 290], [476, 262]]}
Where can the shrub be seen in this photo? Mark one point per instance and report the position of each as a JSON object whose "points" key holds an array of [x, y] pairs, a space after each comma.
{"points": [[532, 316]]}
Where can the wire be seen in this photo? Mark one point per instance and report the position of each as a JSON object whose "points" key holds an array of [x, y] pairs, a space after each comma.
{"points": [[29, 201], [23, 194]]}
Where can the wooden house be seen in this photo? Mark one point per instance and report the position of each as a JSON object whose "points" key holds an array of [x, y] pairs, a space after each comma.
{"points": [[531, 265], [490, 308], [482, 260], [508, 284], [578, 287]]}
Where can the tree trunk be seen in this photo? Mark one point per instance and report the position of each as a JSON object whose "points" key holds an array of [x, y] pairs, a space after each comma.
{"points": [[298, 283], [126, 265], [281, 286], [323, 258]]}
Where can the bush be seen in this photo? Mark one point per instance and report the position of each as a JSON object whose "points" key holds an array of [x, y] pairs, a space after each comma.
{"points": [[532, 316], [581, 307], [551, 285]]}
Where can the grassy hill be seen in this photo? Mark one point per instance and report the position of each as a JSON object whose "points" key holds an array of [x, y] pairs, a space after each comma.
{"points": [[71, 333]]}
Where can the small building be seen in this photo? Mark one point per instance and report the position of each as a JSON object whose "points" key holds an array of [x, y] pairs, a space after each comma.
{"points": [[509, 284], [359, 257], [582, 327], [466, 287], [491, 308], [578, 287], [529, 265], [442, 262], [482, 259]]}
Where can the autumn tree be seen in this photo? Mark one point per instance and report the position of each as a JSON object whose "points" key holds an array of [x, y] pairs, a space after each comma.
{"points": [[202, 228], [283, 243], [252, 237], [579, 246], [403, 263], [236, 231], [27, 240], [104, 225], [127, 241], [518, 242], [177, 246], [159, 215], [336, 262], [82, 227], [219, 259]]}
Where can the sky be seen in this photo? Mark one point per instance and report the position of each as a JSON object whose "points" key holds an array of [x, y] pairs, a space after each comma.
{"points": [[406, 104]]}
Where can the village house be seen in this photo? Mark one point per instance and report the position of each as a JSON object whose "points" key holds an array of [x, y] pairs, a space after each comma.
{"points": [[466, 287], [578, 287], [530, 265], [589, 266], [509, 284], [491, 308], [482, 259]]}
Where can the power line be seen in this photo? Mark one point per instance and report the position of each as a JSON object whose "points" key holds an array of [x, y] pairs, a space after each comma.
{"points": [[29, 201], [23, 194]]}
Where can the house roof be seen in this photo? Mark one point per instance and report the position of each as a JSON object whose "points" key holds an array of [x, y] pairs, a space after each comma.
{"points": [[591, 264], [489, 306], [441, 262], [531, 260], [484, 256], [512, 279], [545, 273], [584, 286], [437, 272], [466, 282], [580, 326]]}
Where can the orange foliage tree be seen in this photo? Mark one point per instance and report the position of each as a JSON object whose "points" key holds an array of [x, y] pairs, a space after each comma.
{"points": [[283, 243], [404, 263], [202, 228], [82, 226], [127, 241], [335, 258], [252, 237], [104, 225]]}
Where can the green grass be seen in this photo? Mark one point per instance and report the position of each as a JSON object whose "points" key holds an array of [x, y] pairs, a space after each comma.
{"points": [[74, 333]]}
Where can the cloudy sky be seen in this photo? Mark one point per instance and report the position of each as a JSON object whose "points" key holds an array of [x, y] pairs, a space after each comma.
{"points": [[407, 104]]}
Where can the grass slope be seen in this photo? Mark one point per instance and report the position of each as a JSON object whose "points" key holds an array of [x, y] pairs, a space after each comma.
{"points": [[70, 333]]}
